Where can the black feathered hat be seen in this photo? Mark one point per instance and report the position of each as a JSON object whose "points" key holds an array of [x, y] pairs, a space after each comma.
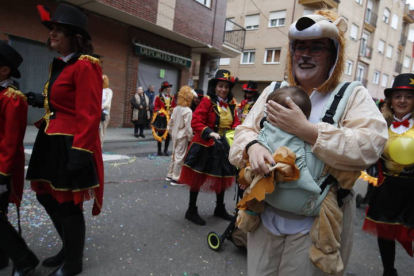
{"points": [[165, 84], [251, 86], [67, 16], [11, 57]]}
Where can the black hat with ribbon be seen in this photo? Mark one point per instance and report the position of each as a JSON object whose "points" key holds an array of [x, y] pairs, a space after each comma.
{"points": [[67, 16], [223, 75], [11, 58], [401, 82], [250, 87], [200, 92], [164, 85]]}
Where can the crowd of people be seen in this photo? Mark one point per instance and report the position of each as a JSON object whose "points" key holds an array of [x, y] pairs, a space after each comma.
{"points": [[304, 142]]}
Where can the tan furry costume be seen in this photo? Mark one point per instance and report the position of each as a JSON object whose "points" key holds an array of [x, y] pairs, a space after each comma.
{"points": [[326, 231], [180, 130], [327, 228]]}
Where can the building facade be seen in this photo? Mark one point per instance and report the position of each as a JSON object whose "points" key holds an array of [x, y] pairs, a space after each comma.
{"points": [[140, 43], [380, 39]]}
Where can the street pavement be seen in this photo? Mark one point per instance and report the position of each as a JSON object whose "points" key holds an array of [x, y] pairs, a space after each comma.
{"points": [[142, 230]]}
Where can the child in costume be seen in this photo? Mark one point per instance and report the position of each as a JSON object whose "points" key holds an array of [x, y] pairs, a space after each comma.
{"points": [[179, 128], [290, 171]]}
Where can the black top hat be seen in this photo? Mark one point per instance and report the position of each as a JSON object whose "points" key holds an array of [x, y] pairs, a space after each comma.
{"points": [[223, 75], [200, 92], [165, 84], [11, 57], [251, 86], [401, 82], [67, 16]]}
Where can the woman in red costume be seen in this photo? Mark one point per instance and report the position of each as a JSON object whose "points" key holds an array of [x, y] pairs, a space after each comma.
{"points": [[66, 165], [206, 164], [163, 106], [390, 214]]}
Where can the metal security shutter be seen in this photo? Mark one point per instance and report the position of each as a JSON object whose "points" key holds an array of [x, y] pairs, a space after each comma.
{"points": [[149, 74], [34, 69]]}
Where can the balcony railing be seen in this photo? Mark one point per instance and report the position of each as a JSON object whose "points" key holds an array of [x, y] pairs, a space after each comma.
{"points": [[366, 51], [408, 16], [318, 3], [403, 40], [398, 67], [234, 35], [371, 18]]}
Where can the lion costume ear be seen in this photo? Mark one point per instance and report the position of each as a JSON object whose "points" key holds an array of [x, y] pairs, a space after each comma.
{"points": [[341, 24]]}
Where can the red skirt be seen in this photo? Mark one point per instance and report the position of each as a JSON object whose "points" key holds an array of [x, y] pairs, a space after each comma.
{"points": [[390, 214], [207, 168]]}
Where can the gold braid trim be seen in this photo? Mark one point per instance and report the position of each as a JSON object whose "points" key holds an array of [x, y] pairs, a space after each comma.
{"points": [[154, 131], [90, 59], [13, 93]]}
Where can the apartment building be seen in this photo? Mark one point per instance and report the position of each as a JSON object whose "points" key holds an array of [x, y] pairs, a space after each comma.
{"points": [[380, 39], [139, 43]]}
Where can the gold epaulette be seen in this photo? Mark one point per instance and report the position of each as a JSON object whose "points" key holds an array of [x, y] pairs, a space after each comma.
{"points": [[14, 93], [91, 59]]}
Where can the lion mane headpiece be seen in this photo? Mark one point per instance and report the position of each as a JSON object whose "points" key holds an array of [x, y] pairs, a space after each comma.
{"points": [[322, 24], [185, 96]]}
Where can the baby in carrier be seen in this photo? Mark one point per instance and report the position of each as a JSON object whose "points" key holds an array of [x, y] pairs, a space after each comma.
{"points": [[292, 172]]}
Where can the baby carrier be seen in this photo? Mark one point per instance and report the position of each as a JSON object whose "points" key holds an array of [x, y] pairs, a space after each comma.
{"points": [[287, 196]]}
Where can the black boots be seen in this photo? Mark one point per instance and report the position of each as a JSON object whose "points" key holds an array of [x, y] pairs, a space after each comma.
{"points": [[4, 259], [192, 213], [392, 272], [24, 260], [167, 143], [221, 212], [159, 149], [51, 206], [74, 242], [193, 216]]}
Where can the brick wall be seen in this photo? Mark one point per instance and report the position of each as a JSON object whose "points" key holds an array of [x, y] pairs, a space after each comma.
{"points": [[196, 21], [112, 41], [145, 9]]}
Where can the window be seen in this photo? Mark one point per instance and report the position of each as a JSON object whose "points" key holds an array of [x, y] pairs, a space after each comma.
{"points": [[406, 62], [375, 79], [354, 32], [251, 22], [411, 35], [359, 2], [386, 16], [384, 80], [348, 67], [225, 61], [381, 46], [248, 57], [390, 49], [368, 13], [277, 18], [394, 22], [230, 24], [272, 56], [360, 73], [206, 3], [308, 11]]}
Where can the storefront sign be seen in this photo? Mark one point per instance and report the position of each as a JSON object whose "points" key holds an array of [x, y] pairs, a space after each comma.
{"points": [[161, 55]]}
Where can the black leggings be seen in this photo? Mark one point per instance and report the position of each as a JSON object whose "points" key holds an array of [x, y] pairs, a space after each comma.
{"points": [[64, 210], [387, 251]]}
